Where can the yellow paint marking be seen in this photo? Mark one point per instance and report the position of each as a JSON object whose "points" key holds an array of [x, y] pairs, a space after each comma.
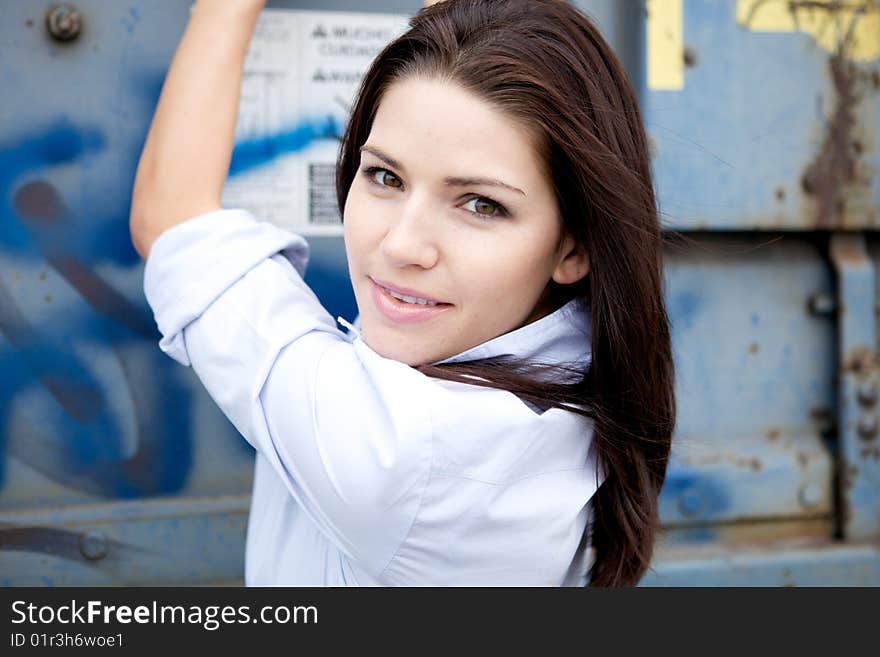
{"points": [[665, 45], [852, 26]]}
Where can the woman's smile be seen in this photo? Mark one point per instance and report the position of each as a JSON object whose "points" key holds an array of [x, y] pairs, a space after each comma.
{"points": [[402, 311]]}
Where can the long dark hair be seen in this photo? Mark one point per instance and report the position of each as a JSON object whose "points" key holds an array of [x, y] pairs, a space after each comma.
{"points": [[545, 65]]}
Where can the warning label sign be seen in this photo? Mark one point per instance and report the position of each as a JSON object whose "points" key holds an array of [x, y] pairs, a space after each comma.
{"points": [[302, 71]]}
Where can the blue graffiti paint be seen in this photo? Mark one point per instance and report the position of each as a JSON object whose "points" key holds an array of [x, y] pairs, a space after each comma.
{"points": [[73, 433], [60, 143], [254, 153], [695, 495], [74, 430]]}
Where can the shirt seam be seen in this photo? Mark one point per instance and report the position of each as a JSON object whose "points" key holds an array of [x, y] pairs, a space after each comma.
{"points": [[421, 502]]}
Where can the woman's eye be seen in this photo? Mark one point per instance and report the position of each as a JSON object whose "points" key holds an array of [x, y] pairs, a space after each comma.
{"points": [[485, 207], [384, 179]]}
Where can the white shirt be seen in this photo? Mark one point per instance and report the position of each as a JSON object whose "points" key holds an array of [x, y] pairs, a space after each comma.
{"points": [[369, 473]]}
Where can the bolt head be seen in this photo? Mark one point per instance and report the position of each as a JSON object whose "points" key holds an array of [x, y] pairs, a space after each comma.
{"points": [[810, 495], [868, 426], [93, 545], [63, 21], [867, 393], [822, 304]]}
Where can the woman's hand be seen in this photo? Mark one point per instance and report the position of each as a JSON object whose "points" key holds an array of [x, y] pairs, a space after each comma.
{"points": [[234, 5]]}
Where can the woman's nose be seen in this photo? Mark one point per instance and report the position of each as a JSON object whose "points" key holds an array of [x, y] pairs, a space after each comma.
{"points": [[410, 239]]}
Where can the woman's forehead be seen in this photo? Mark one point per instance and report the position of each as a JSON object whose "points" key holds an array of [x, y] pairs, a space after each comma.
{"points": [[440, 124]]}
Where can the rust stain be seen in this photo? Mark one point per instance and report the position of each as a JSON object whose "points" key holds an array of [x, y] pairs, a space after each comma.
{"points": [[754, 348], [773, 434], [835, 166], [836, 171], [861, 360], [750, 463], [803, 459]]}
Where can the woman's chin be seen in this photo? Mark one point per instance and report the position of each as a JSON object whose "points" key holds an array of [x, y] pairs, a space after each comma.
{"points": [[389, 346]]}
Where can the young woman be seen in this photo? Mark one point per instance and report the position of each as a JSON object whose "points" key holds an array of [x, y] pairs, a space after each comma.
{"points": [[503, 412]]}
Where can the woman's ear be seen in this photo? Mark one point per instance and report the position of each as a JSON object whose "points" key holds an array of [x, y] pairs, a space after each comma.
{"points": [[574, 265]]}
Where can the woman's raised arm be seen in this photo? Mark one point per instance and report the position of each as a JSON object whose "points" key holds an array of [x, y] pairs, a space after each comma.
{"points": [[185, 160]]}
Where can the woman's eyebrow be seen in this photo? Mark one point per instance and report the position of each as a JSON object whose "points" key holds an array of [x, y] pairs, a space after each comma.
{"points": [[491, 182], [390, 161], [452, 181]]}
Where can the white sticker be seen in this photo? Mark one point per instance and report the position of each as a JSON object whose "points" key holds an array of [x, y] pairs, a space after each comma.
{"points": [[301, 74]]}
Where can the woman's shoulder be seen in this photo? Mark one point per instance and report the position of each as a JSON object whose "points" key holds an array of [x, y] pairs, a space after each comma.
{"points": [[494, 435], [475, 430]]}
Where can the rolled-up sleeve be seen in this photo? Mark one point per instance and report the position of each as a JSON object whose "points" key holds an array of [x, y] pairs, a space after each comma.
{"points": [[347, 430]]}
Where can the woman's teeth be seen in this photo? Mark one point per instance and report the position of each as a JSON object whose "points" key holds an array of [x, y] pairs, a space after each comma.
{"points": [[421, 302]]}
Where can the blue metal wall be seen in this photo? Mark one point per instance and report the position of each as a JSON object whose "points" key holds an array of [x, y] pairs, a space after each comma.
{"points": [[116, 467]]}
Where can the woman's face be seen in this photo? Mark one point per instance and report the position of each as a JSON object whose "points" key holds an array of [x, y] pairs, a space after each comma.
{"points": [[450, 203]]}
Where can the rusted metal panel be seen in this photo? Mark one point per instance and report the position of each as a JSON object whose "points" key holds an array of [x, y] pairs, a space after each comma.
{"points": [[165, 542], [775, 123], [747, 479], [784, 563], [859, 382]]}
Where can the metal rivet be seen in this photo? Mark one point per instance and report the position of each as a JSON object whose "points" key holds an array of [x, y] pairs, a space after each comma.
{"points": [[93, 545], [810, 495], [867, 393], [63, 22], [690, 503], [822, 304], [868, 426]]}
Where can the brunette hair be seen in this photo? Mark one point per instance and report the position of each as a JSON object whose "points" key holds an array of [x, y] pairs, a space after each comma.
{"points": [[546, 66]]}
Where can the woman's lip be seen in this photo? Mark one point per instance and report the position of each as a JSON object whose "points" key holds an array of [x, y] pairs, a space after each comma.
{"points": [[401, 312], [405, 291]]}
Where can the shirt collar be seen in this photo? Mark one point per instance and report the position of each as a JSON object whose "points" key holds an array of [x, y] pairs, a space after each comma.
{"points": [[563, 336], [560, 337]]}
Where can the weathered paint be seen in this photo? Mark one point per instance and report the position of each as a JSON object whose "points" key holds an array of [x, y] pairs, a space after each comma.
{"points": [[770, 131], [665, 45], [860, 368], [747, 479], [853, 25], [170, 542], [833, 179], [785, 563]]}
